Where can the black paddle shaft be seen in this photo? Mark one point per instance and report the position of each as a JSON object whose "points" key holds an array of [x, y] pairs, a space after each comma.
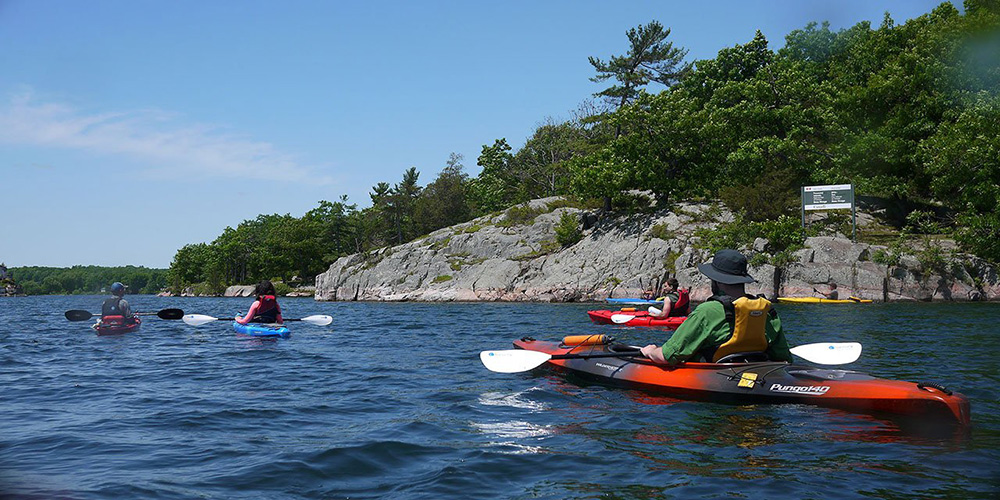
{"points": [[623, 354]]}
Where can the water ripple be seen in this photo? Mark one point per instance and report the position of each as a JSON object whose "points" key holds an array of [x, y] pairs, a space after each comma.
{"points": [[391, 402]]}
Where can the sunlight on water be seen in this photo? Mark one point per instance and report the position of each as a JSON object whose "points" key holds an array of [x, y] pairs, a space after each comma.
{"points": [[513, 400]]}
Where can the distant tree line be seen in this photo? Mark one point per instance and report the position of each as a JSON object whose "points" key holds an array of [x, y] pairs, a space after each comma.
{"points": [[909, 113], [87, 279]]}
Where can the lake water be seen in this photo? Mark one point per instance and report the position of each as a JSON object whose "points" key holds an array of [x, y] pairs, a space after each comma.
{"points": [[390, 401]]}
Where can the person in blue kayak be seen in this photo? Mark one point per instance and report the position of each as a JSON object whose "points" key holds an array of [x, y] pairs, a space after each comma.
{"points": [[731, 322], [116, 308], [675, 301], [265, 309]]}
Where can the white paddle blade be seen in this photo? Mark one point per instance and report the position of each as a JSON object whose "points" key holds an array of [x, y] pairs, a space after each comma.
{"points": [[512, 361], [829, 353], [198, 319], [318, 319], [619, 319]]}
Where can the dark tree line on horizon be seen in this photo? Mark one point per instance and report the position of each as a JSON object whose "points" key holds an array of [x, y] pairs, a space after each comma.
{"points": [[38, 280], [909, 113]]}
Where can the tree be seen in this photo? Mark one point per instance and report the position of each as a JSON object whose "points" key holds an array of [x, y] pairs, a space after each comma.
{"points": [[650, 59], [443, 202], [401, 202], [494, 189]]}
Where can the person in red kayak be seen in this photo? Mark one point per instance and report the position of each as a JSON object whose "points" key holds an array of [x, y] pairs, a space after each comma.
{"points": [[675, 301], [115, 309], [731, 322], [265, 309]]}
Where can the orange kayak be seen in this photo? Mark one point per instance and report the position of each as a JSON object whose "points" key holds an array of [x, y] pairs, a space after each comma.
{"points": [[759, 382]]}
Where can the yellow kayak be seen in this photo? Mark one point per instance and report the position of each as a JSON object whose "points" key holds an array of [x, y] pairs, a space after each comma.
{"points": [[817, 300]]}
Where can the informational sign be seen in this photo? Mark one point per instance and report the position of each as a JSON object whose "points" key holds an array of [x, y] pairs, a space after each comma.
{"points": [[827, 197], [831, 197]]}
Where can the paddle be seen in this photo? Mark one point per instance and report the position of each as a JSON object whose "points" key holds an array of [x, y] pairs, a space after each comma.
{"points": [[521, 360], [625, 318], [619, 319], [201, 319], [78, 315]]}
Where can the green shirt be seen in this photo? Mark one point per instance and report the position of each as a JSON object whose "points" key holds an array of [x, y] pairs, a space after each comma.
{"points": [[706, 326]]}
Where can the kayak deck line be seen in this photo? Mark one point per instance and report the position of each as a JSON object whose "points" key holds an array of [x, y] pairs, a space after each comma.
{"points": [[771, 382]]}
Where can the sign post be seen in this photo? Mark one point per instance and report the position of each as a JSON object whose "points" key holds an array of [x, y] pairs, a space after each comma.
{"points": [[831, 197]]}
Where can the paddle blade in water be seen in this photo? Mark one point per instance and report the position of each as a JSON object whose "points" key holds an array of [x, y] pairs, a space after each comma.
{"points": [[318, 319], [170, 314], [512, 361], [198, 319], [78, 315], [828, 353]]}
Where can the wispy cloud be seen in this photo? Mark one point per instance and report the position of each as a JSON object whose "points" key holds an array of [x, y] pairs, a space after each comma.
{"points": [[154, 138]]}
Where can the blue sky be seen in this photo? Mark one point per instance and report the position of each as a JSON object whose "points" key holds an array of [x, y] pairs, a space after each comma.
{"points": [[131, 128]]}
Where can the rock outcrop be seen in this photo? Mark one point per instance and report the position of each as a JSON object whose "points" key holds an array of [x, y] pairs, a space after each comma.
{"points": [[240, 291], [493, 258]]}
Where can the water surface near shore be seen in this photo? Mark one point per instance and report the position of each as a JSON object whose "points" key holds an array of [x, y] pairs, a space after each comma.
{"points": [[390, 401]]}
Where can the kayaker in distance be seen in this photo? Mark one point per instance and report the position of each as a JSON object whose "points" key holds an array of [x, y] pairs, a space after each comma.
{"points": [[675, 301], [116, 305], [833, 294], [265, 309], [648, 294], [731, 321]]}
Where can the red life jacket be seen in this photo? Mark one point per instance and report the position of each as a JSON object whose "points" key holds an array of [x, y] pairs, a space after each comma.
{"points": [[267, 311], [683, 305]]}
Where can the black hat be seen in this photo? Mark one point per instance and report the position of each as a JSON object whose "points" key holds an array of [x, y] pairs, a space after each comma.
{"points": [[728, 266]]}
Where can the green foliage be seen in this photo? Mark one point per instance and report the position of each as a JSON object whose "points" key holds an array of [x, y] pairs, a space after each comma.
{"points": [[439, 244], [269, 246], [281, 288], [980, 234], [886, 256], [650, 59], [36, 280], [520, 215], [546, 247], [568, 231], [661, 231], [442, 203], [442, 278], [774, 194], [783, 234], [670, 262]]}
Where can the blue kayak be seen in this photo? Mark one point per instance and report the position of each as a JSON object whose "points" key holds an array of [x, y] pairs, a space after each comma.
{"points": [[262, 330], [634, 302]]}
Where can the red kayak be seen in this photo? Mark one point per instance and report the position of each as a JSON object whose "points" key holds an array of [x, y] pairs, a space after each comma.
{"points": [[758, 382], [639, 318], [116, 325]]}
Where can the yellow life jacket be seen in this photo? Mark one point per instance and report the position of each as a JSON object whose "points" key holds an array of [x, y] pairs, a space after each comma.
{"points": [[747, 317]]}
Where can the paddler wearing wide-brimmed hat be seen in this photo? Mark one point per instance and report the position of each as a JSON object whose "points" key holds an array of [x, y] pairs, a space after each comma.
{"points": [[730, 326]]}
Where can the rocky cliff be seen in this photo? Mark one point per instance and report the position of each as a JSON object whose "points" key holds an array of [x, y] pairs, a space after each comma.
{"points": [[509, 257]]}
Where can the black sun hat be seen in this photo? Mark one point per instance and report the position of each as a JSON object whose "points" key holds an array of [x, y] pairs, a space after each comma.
{"points": [[729, 267]]}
